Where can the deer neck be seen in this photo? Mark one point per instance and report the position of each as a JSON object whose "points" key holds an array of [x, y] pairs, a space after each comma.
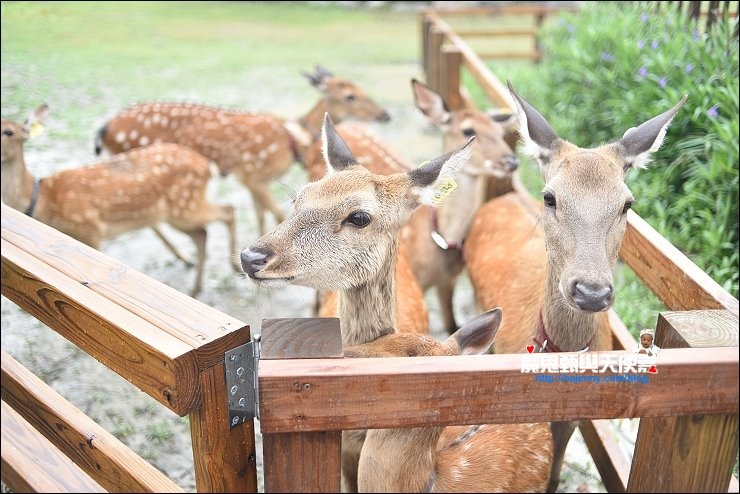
{"points": [[568, 329], [314, 119], [368, 311], [455, 214], [406, 458], [17, 185]]}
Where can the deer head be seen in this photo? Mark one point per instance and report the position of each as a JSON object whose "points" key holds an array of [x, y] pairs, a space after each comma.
{"points": [[586, 201]]}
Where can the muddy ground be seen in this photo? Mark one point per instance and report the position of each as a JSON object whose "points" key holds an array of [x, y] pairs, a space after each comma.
{"points": [[148, 428]]}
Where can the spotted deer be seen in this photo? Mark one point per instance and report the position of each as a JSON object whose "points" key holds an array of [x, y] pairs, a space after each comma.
{"points": [[256, 147], [432, 242], [343, 235], [140, 188], [551, 271], [470, 458]]}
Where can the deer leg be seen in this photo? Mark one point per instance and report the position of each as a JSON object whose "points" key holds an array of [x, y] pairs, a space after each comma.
{"points": [[227, 216], [188, 262], [199, 236], [352, 442], [444, 293], [264, 200], [561, 432]]}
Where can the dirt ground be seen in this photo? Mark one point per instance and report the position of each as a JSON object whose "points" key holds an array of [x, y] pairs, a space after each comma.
{"points": [[148, 428]]}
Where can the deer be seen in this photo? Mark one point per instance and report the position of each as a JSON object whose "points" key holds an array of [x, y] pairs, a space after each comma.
{"points": [[435, 235], [551, 269], [256, 147], [470, 458], [342, 235], [140, 188]]}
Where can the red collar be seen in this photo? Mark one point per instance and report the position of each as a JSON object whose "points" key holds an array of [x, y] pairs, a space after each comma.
{"points": [[438, 238], [545, 342]]}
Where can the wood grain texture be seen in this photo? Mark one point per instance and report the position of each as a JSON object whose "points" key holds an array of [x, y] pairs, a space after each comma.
{"points": [[224, 458], [691, 453], [672, 276], [159, 364], [412, 392], [111, 463], [303, 461], [608, 457], [30, 463], [208, 331], [316, 337]]}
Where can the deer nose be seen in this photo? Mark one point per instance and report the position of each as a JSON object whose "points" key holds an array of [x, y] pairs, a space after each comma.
{"points": [[254, 260], [591, 296], [384, 117], [512, 162]]}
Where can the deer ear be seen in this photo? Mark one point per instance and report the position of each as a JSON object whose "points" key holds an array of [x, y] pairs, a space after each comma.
{"points": [[476, 335], [638, 142], [34, 123], [336, 153], [434, 179], [538, 137], [318, 78], [430, 103]]}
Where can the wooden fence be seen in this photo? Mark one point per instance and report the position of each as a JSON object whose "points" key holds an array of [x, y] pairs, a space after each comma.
{"points": [[174, 348]]}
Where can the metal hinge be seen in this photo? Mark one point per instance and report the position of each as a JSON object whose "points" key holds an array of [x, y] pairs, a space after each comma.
{"points": [[242, 384]]}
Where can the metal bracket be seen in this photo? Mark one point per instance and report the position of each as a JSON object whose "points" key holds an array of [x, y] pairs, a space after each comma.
{"points": [[242, 384]]}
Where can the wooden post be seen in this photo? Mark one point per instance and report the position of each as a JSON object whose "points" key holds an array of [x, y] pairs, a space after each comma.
{"points": [[688, 453], [301, 461], [538, 20], [224, 458], [426, 24], [436, 38], [451, 59]]}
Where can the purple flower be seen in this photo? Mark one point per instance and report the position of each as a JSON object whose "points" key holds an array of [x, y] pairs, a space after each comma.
{"points": [[662, 82], [654, 45], [712, 112], [644, 18], [696, 35], [607, 57], [689, 68], [641, 44], [643, 71]]}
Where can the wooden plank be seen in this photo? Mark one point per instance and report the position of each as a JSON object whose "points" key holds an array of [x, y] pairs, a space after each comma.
{"points": [[608, 457], [696, 453], [90, 446], [303, 462], [414, 392], [450, 70], [208, 331], [524, 31], [225, 458], [159, 364], [285, 455], [622, 339], [436, 40], [524, 55], [672, 276], [31, 463], [315, 337], [504, 9]]}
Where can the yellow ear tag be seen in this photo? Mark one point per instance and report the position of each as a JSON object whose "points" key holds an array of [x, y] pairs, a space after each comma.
{"points": [[444, 188], [36, 130]]}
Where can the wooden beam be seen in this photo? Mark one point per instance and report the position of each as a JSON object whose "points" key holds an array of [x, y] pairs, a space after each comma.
{"points": [[694, 453], [503, 9], [31, 463], [92, 448], [414, 392], [526, 31], [450, 71], [209, 332], [608, 457], [672, 276]]}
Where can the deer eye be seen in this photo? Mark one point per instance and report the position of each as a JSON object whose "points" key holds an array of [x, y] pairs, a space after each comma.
{"points": [[468, 132], [549, 199], [350, 97], [360, 219], [8, 132], [627, 205]]}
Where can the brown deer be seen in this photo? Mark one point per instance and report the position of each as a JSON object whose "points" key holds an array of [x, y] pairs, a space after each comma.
{"points": [[256, 147], [474, 458], [551, 272], [140, 188], [343, 235], [435, 235]]}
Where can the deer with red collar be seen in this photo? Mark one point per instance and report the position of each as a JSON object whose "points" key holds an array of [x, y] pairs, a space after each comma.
{"points": [[343, 235], [256, 147], [470, 458], [140, 188], [551, 271], [431, 249]]}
